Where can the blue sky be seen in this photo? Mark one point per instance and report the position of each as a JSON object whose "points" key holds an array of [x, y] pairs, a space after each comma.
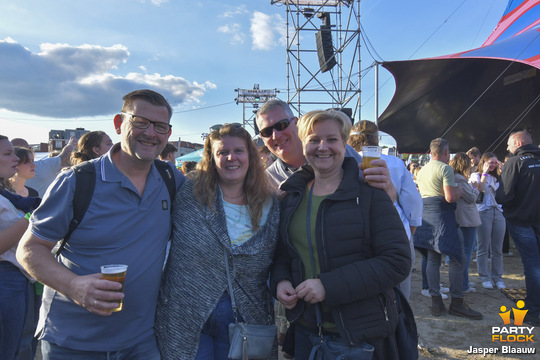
{"points": [[66, 64]]}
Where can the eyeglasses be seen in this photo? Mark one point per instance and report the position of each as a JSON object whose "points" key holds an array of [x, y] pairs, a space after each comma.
{"points": [[141, 122], [279, 126]]}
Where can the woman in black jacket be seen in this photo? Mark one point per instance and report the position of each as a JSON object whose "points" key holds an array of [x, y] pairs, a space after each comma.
{"points": [[359, 249]]}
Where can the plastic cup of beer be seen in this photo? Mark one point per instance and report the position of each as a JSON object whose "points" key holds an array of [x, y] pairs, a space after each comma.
{"points": [[370, 153], [115, 272]]}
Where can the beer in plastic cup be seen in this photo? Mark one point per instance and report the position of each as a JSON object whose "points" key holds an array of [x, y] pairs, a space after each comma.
{"points": [[370, 153], [115, 272]]}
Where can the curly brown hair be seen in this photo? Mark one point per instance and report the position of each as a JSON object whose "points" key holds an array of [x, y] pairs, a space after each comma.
{"points": [[206, 181], [363, 133]]}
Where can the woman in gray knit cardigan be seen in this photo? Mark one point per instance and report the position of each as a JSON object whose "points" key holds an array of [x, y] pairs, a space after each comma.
{"points": [[226, 206]]}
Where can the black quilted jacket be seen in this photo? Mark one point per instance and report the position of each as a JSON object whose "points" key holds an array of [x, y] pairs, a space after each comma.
{"points": [[363, 252]]}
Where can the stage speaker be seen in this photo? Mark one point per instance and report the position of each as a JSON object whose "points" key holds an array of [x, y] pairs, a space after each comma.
{"points": [[325, 49]]}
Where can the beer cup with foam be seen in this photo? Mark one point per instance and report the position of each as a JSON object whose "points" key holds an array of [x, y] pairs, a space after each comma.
{"points": [[370, 153], [115, 272]]}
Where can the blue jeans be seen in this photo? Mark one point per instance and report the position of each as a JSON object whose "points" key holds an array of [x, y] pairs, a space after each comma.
{"points": [[527, 240], [469, 236], [16, 309], [145, 350], [425, 285], [214, 342]]}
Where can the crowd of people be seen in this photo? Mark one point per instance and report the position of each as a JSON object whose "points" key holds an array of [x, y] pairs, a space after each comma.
{"points": [[299, 233]]}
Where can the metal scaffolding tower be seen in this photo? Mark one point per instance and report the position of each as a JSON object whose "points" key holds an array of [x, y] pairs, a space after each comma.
{"points": [[323, 54]]}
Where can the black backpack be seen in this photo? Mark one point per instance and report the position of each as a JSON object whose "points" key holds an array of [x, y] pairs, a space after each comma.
{"points": [[85, 182]]}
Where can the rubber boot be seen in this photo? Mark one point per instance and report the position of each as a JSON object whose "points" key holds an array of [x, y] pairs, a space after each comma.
{"points": [[437, 306], [458, 307]]}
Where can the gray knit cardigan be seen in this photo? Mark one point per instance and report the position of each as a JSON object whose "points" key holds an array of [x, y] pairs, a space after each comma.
{"points": [[195, 278]]}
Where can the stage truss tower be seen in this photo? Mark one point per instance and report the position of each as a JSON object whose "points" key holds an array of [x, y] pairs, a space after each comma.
{"points": [[250, 99], [323, 54]]}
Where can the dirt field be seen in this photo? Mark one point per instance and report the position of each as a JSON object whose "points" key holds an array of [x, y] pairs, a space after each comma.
{"points": [[449, 337]]}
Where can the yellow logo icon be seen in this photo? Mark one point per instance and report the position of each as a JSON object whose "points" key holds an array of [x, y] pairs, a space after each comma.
{"points": [[519, 314]]}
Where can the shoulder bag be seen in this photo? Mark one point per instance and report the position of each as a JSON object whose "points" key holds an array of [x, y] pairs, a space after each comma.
{"points": [[248, 341]]}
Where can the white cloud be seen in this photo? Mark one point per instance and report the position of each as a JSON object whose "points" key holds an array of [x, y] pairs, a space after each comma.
{"points": [[237, 36], [67, 81], [265, 29], [159, 2], [239, 10]]}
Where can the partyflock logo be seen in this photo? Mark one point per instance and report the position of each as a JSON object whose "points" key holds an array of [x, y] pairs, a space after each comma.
{"points": [[509, 335]]}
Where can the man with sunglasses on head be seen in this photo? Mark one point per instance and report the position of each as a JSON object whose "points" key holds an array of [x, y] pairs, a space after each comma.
{"points": [[127, 222], [277, 127]]}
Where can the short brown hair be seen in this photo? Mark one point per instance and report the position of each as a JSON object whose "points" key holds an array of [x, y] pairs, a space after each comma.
{"points": [[438, 146], [169, 148], [147, 95]]}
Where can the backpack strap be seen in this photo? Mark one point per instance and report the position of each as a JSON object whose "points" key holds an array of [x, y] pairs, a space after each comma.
{"points": [[85, 182], [166, 173]]}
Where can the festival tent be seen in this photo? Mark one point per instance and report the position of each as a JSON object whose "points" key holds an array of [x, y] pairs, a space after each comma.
{"points": [[473, 98], [192, 156]]}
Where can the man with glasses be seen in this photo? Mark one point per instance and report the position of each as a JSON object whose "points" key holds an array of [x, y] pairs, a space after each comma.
{"points": [[127, 222]]}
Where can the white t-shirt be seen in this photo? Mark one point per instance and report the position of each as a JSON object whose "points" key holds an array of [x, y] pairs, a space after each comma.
{"points": [[239, 221], [46, 171]]}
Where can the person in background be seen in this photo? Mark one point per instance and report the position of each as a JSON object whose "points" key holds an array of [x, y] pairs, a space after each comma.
{"points": [[438, 234], [491, 231], [47, 168], [90, 146], [226, 209], [519, 196], [188, 167], [506, 241], [412, 167], [348, 275], [409, 207], [266, 156], [169, 153], [25, 171], [475, 155], [127, 222], [16, 290], [467, 216]]}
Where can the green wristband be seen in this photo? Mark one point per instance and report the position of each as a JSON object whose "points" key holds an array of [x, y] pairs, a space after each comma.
{"points": [[27, 216]]}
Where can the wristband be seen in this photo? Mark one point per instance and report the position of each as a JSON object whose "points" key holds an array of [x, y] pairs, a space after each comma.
{"points": [[27, 216], [485, 174]]}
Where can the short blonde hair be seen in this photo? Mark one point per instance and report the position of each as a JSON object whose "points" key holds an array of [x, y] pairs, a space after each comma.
{"points": [[307, 122]]}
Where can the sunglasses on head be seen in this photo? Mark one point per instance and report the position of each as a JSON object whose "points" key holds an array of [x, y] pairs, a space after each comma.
{"points": [[279, 126]]}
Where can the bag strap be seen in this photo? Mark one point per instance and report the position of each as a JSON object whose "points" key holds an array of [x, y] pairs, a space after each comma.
{"points": [[318, 315], [231, 294], [166, 173]]}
